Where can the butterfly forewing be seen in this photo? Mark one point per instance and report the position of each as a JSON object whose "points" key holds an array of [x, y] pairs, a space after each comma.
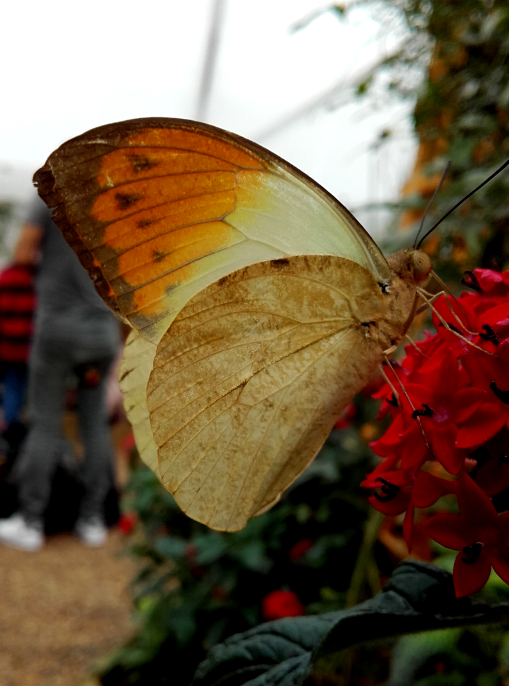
{"points": [[250, 378], [157, 209]]}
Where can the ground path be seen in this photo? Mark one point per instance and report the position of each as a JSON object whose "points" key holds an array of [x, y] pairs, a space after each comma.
{"points": [[62, 610]]}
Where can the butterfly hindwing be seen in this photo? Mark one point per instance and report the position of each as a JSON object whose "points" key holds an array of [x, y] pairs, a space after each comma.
{"points": [[133, 375], [250, 378], [157, 209]]}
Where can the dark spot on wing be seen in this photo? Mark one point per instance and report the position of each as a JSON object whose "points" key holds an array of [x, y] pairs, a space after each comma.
{"points": [[222, 281], [281, 262], [158, 255], [145, 223], [125, 200], [142, 163]]}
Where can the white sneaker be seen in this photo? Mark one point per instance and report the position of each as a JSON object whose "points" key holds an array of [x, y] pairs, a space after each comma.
{"points": [[92, 532], [20, 534]]}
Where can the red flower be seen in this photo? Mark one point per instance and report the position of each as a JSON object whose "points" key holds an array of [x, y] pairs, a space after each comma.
{"points": [[300, 548], [127, 522], [281, 604], [427, 424], [480, 535], [490, 372], [401, 490], [488, 282]]}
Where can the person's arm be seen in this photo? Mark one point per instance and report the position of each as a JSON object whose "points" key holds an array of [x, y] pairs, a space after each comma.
{"points": [[27, 247]]}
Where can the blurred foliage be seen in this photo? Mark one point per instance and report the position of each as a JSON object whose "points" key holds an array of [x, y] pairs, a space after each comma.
{"points": [[461, 114], [197, 587]]}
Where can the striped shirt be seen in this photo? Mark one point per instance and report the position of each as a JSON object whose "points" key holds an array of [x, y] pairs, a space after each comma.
{"points": [[17, 306]]}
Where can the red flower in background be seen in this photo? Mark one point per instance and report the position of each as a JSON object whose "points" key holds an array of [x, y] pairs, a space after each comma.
{"points": [[127, 522], [281, 604], [347, 416], [300, 548]]}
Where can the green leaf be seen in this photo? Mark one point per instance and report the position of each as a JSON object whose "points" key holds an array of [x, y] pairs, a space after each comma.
{"points": [[294, 651], [275, 653]]}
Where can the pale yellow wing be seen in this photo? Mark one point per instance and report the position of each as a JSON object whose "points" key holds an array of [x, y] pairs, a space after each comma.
{"points": [[133, 374], [251, 376]]}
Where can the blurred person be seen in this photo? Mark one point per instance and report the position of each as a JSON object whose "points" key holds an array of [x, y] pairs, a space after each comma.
{"points": [[74, 333], [17, 305]]}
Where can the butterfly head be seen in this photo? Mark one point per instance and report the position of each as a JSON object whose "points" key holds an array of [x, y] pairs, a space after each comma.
{"points": [[411, 265], [411, 269]]}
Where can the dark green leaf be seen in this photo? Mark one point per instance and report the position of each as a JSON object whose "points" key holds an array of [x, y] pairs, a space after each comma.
{"points": [[418, 597], [278, 650]]}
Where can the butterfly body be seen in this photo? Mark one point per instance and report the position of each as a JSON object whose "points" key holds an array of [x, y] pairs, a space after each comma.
{"points": [[261, 306]]}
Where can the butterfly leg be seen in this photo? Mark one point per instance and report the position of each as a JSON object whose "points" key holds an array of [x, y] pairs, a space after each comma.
{"points": [[412, 342], [390, 351], [428, 301], [414, 416], [426, 305]]}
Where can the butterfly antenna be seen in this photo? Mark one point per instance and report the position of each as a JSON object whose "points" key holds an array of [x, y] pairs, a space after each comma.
{"points": [[444, 173], [497, 171]]}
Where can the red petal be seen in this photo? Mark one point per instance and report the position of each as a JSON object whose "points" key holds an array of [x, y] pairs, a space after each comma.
{"points": [[488, 279], [503, 526], [444, 381], [494, 315], [428, 489], [415, 450], [386, 466], [493, 477], [466, 402], [475, 506], [471, 577], [443, 439], [448, 529], [396, 506], [418, 395], [500, 562], [391, 440], [483, 425]]}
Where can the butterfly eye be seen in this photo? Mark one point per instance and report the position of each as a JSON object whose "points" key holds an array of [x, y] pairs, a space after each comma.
{"points": [[422, 267]]}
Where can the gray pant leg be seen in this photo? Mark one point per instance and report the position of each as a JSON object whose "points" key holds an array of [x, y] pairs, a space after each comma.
{"points": [[41, 450], [59, 345], [97, 467]]}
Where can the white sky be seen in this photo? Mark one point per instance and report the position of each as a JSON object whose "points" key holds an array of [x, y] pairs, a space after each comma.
{"points": [[67, 66]]}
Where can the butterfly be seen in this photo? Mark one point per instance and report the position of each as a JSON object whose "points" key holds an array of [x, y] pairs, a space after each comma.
{"points": [[259, 305]]}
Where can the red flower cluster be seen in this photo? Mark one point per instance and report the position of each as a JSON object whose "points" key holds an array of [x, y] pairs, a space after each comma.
{"points": [[449, 404], [281, 604]]}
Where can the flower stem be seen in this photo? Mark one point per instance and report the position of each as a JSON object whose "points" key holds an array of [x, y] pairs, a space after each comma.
{"points": [[363, 558]]}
